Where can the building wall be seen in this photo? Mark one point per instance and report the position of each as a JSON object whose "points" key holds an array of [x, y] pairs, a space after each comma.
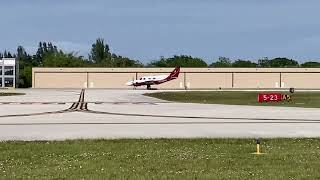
{"points": [[256, 80], [208, 80], [109, 80], [192, 78], [301, 80], [60, 80], [7, 72]]}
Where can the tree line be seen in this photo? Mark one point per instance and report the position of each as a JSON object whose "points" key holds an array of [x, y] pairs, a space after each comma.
{"points": [[224, 62], [49, 55]]}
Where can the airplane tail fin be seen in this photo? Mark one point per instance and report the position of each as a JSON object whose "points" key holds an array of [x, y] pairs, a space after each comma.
{"points": [[174, 74]]}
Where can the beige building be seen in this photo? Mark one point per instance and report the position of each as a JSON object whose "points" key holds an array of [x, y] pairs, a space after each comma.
{"points": [[189, 78]]}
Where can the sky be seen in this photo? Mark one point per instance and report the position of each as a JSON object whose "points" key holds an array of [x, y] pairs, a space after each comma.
{"points": [[148, 29]]}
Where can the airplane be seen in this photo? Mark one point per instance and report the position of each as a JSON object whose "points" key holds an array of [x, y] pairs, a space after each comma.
{"points": [[154, 80]]}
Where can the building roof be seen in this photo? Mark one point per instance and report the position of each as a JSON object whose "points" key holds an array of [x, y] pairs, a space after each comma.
{"points": [[8, 61], [165, 70]]}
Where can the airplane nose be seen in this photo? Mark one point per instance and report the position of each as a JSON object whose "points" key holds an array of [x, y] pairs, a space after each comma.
{"points": [[130, 83]]}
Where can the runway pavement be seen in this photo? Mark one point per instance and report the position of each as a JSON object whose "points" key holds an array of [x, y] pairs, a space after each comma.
{"points": [[53, 114]]}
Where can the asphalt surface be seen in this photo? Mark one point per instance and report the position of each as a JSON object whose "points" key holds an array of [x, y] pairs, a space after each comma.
{"points": [[49, 114]]}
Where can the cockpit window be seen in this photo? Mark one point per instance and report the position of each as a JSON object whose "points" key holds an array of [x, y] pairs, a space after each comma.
{"points": [[140, 78]]}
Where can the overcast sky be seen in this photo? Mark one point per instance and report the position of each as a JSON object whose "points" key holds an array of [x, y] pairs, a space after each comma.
{"points": [[148, 29]]}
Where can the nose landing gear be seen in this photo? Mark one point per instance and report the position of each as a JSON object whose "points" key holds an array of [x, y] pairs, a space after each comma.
{"points": [[149, 87]]}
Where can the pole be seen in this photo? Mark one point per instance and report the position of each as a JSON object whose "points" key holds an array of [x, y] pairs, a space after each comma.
{"points": [[258, 152], [258, 146]]}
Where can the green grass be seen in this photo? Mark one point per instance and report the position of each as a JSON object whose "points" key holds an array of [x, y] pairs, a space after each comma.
{"points": [[299, 99], [161, 159]]}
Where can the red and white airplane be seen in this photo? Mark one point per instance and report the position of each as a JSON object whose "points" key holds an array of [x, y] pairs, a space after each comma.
{"points": [[154, 80]]}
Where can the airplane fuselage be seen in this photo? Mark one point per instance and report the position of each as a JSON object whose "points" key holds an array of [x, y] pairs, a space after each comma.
{"points": [[154, 80], [148, 80]]}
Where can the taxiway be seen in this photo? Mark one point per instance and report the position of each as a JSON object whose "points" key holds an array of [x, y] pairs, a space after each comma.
{"points": [[53, 114]]}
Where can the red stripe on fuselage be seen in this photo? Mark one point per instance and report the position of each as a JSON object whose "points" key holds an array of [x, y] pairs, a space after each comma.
{"points": [[149, 83]]}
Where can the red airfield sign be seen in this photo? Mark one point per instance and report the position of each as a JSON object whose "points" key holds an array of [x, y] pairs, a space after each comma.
{"points": [[269, 97]]}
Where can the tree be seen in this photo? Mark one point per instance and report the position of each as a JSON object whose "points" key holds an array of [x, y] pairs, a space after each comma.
{"points": [[44, 49], [100, 53], [25, 77], [26, 62], [182, 60], [48, 55], [119, 61], [243, 63], [39, 55], [264, 62], [278, 62], [60, 59], [222, 62], [21, 53], [311, 64], [7, 54], [159, 63]]}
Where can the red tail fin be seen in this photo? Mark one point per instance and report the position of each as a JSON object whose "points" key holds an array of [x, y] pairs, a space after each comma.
{"points": [[174, 74]]}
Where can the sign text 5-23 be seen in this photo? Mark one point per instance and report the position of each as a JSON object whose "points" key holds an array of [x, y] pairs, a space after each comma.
{"points": [[267, 97]]}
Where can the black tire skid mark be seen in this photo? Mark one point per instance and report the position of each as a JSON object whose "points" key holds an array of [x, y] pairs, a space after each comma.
{"points": [[73, 108], [34, 114], [155, 123], [83, 107], [202, 117]]}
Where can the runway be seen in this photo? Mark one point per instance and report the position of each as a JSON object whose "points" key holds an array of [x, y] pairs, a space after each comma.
{"points": [[50, 114]]}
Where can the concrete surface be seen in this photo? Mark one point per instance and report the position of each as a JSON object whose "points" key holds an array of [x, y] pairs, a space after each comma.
{"points": [[44, 114]]}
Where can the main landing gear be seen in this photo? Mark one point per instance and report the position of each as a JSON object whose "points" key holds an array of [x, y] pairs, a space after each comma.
{"points": [[149, 87]]}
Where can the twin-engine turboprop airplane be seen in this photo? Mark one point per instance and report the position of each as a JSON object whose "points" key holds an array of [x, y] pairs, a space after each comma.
{"points": [[154, 80]]}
